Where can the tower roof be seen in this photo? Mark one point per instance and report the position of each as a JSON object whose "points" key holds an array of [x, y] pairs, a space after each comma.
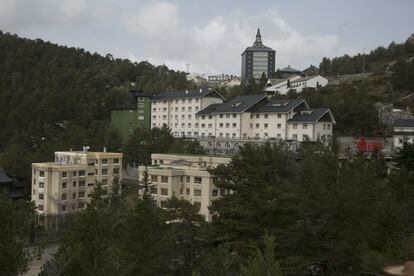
{"points": [[258, 45]]}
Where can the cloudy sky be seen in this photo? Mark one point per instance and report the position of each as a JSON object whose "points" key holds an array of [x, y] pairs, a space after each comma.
{"points": [[211, 34]]}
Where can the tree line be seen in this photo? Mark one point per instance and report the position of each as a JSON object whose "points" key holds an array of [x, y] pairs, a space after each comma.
{"points": [[316, 216]]}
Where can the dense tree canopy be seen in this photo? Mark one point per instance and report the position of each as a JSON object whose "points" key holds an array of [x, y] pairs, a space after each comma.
{"points": [[57, 98]]}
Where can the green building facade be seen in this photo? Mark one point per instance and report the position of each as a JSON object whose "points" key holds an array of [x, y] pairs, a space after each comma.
{"points": [[135, 114]]}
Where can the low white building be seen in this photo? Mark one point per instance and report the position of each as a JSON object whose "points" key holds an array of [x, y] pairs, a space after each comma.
{"points": [[296, 83], [186, 177], [403, 132]]}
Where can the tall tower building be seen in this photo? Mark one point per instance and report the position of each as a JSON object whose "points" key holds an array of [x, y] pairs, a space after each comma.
{"points": [[257, 59]]}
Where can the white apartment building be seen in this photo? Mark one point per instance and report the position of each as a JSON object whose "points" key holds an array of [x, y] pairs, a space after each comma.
{"points": [[186, 177], [296, 83], [177, 109], [255, 117], [403, 132], [203, 114], [64, 186]]}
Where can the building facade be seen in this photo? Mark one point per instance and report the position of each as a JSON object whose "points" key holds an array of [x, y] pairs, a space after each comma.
{"points": [[295, 83], [403, 132], [136, 113], [177, 110], [64, 186], [186, 177], [256, 60]]}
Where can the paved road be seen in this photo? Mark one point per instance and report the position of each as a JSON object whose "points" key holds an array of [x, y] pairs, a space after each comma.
{"points": [[36, 264]]}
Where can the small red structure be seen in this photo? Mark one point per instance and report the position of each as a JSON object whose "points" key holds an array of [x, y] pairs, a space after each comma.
{"points": [[364, 146]]}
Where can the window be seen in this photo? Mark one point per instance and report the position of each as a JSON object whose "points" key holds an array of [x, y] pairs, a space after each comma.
{"points": [[34, 192], [73, 195], [41, 184], [164, 191], [234, 115], [203, 117], [116, 171], [41, 173], [181, 179], [221, 125], [197, 192], [265, 125], [154, 178], [64, 174], [324, 126], [221, 115], [187, 191], [257, 116], [279, 125], [82, 183], [74, 184], [215, 192], [63, 196], [197, 180], [104, 171], [188, 179], [203, 125], [222, 191], [81, 194], [41, 196], [104, 161], [81, 173], [257, 125], [227, 125], [197, 204], [74, 173], [154, 190], [91, 173], [295, 137], [181, 191], [81, 205], [266, 116], [116, 161], [40, 207], [328, 126], [64, 184], [305, 137], [234, 125], [279, 116], [103, 182], [251, 125], [164, 179], [305, 126], [210, 117]]}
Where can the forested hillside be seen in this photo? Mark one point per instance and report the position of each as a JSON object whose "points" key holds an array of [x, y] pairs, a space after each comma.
{"points": [[54, 97]]}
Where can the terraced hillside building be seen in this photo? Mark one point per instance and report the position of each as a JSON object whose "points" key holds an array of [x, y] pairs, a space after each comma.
{"points": [[134, 114], [257, 60], [184, 176], [177, 110]]}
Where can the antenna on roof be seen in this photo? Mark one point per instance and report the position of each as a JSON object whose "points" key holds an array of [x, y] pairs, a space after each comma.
{"points": [[188, 68]]}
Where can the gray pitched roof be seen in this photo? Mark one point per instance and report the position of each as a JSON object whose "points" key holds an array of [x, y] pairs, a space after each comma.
{"points": [[290, 70], [404, 123], [235, 105], [4, 178], [276, 81], [311, 116], [303, 79], [279, 106], [194, 93]]}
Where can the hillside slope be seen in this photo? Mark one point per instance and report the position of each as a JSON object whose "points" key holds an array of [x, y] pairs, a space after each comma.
{"points": [[54, 97]]}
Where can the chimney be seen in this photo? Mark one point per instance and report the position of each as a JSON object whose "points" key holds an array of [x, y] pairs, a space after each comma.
{"points": [[104, 149]]}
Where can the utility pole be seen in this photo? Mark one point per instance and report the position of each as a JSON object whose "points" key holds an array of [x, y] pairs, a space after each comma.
{"points": [[363, 62]]}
